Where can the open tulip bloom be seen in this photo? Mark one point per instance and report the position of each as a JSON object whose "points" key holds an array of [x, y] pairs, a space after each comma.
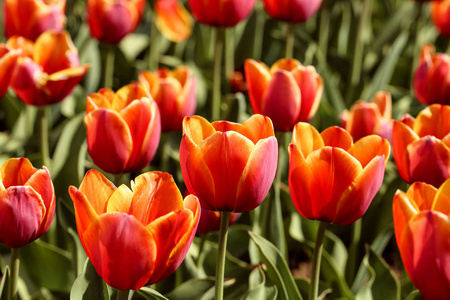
{"points": [[8, 59], [138, 236]]}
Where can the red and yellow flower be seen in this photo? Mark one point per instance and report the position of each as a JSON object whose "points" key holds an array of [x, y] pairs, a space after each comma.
{"points": [[440, 14], [8, 59], [173, 20], [293, 11], [221, 13]]}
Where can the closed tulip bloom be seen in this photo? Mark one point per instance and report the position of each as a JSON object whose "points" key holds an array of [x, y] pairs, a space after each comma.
{"points": [[421, 146], [440, 14], [210, 221], [122, 128], [422, 231], [173, 20], [175, 93], [228, 166], [31, 18], [48, 70], [8, 59], [221, 13], [138, 236], [27, 202], [293, 11], [288, 93], [111, 20], [366, 118], [431, 84], [331, 178]]}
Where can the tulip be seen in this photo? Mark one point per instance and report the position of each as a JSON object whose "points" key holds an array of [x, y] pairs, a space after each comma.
{"points": [[287, 93], [228, 166], [422, 231], [332, 179], [440, 14], [122, 128], [210, 221], [110, 21], [8, 59], [48, 70], [293, 11], [237, 82], [138, 236], [31, 18], [431, 84], [221, 13], [174, 91], [27, 202], [421, 146], [173, 20], [366, 118]]}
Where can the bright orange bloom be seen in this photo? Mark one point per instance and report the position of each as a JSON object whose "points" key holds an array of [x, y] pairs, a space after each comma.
{"points": [[331, 178], [228, 166], [122, 128], [421, 146], [221, 13], [174, 91], [31, 18], [8, 59], [48, 70], [366, 118], [287, 93], [293, 11], [431, 78], [422, 231], [210, 221], [27, 202], [134, 237], [111, 20], [173, 20], [440, 14]]}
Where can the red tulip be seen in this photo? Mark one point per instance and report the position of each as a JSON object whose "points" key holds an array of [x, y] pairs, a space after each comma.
{"points": [[228, 166], [421, 146], [173, 20], [330, 178], [221, 13], [123, 129], [440, 14], [366, 118], [110, 21], [293, 11], [27, 202], [210, 221], [134, 237], [422, 231], [431, 79], [31, 18], [287, 93], [8, 59], [48, 70], [174, 91]]}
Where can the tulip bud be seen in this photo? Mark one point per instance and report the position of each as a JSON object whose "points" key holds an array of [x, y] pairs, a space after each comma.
{"points": [[221, 13], [293, 11]]}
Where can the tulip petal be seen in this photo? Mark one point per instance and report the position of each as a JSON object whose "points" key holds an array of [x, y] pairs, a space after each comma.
{"points": [[197, 128], [125, 95], [365, 149], [120, 200], [307, 138], [96, 101], [384, 102], [402, 136], [421, 195], [337, 137], [258, 77], [256, 128], [85, 214], [433, 120], [403, 209], [97, 190], [16, 171], [7, 64], [122, 251], [173, 20], [364, 119], [442, 200]]}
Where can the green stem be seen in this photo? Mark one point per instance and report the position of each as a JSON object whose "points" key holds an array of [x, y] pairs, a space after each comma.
{"points": [[218, 48], [109, 67], [201, 254], [353, 251], [417, 47], [229, 53], [122, 294], [220, 267], [259, 31], [43, 122], [15, 262], [289, 40], [153, 51], [314, 287], [165, 151], [324, 29]]}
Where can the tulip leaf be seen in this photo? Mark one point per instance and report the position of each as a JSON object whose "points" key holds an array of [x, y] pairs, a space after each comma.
{"points": [[151, 294], [185, 291], [259, 287], [414, 295], [4, 284], [277, 268], [133, 44], [88, 285]]}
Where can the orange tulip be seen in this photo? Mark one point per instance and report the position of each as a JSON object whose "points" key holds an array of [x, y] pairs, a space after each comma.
{"points": [[48, 70], [173, 20], [210, 221], [440, 14], [421, 146], [174, 91], [228, 166], [287, 93], [111, 20], [293, 11], [422, 231], [366, 118], [31, 18], [123, 129], [27, 202], [221, 13], [8, 59], [431, 78], [134, 237], [331, 178]]}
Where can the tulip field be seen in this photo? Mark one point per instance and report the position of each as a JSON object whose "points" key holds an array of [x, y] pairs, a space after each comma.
{"points": [[239, 149]]}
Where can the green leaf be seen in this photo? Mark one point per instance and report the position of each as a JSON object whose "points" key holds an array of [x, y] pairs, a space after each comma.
{"points": [[4, 284], [133, 44], [185, 291], [88, 285], [277, 268], [259, 287], [414, 295], [151, 294]]}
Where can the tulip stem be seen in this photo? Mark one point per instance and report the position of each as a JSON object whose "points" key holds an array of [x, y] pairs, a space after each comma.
{"points": [[122, 294], [290, 40], [217, 69], [314, 286], [109, 67], [220, 267], [353, 251], [324, 29], [153, 53], [165, 152], [15, 262], [259, 31], [416, 51], [43, 122], [229, 53]]}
